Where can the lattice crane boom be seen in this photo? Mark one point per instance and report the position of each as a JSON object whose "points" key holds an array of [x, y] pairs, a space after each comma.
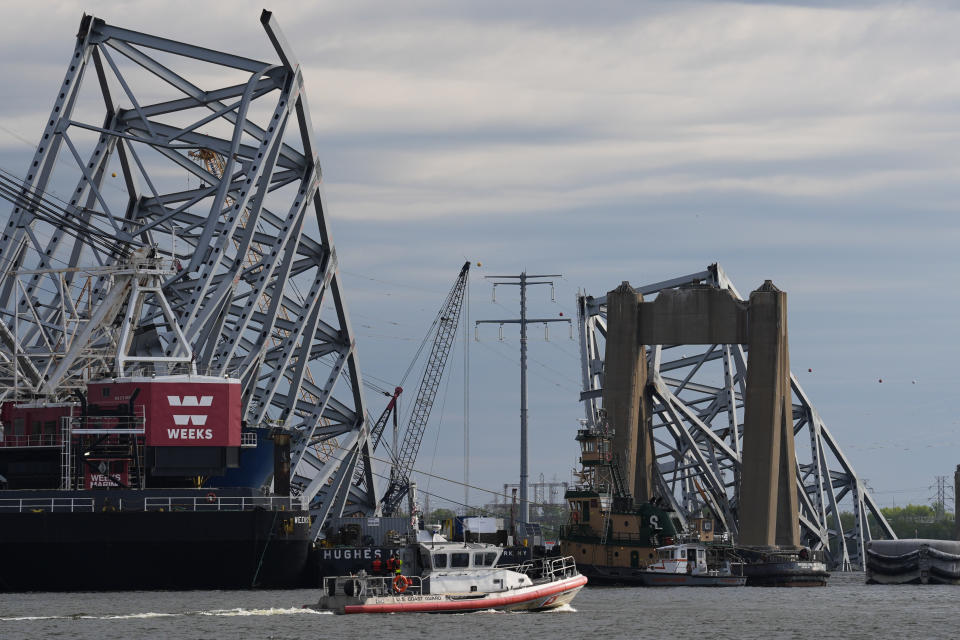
{"points": [[376, 433], [447, 322]]}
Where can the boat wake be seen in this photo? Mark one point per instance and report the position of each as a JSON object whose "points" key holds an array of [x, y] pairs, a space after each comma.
{"points": [[273, 611], [263, 612], [565, 608]]}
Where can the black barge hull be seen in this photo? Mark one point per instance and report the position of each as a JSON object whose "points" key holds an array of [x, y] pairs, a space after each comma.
{"points": [[143, 550]]}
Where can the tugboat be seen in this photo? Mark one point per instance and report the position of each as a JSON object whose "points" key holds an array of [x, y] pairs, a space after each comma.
{"points": [[618, 542], [459, 577], [612, 539]]}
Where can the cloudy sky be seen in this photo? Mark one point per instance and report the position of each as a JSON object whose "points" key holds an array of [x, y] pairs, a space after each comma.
{"points": [[812, 145]]}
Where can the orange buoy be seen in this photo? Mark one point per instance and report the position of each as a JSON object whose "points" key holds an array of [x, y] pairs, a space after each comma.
{"points": [[400, 583]]}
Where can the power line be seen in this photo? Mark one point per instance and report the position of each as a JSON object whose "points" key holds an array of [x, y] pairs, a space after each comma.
{"points": [[437, 477]]}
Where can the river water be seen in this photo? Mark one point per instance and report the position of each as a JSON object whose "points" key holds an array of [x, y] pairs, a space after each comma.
{"points": [[847, 608]]}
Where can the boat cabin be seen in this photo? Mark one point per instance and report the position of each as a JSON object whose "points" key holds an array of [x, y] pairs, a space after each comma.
{"points": [[451, 556], [458, 567], [681, 558], [702, 528], [595, 447]]}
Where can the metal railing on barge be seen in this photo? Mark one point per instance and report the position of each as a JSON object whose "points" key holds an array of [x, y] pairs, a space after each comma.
{"points": [[51, 505], [30, 440], [210, 502]]}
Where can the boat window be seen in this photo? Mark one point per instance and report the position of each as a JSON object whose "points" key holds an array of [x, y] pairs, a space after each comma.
{"points": [[491, 559], [680, 554], [460, 560], [478, 559], [700, 552], [439, 561], [664, 554]]}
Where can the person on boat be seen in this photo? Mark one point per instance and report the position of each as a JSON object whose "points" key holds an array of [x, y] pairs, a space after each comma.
{"points": [[377, 566], [397, 565], [391, 563]]}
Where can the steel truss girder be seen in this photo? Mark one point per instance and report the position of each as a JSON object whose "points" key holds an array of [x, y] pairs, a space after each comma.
{"points": [[697, 428], [255, 287]]}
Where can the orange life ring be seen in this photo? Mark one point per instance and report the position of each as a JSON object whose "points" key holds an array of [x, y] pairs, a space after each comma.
{"points": [[400, 583], [211, 497]]}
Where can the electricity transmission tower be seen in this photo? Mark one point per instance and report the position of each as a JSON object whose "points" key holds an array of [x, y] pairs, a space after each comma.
{"points": [[940, 498], [523, 281]]}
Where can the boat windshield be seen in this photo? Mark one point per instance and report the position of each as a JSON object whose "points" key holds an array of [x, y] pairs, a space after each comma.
{"points": [[439, 561], [484, 559], [459, 559]]}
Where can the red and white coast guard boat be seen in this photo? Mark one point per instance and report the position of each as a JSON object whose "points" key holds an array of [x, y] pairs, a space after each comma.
{"points": [[460, 577]]}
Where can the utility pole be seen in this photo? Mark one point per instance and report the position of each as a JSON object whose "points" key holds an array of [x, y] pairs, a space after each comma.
{"points": [[956, 511], [523, 281]]}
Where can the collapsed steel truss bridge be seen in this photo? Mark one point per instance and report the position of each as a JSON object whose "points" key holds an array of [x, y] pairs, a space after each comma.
{"points": [[697, 397], [123, 171]]}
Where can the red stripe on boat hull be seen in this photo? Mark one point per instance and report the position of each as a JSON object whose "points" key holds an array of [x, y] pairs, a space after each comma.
{"points": [[469, 605]]}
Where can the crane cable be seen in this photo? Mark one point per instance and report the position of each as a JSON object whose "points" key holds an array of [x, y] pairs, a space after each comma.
{"points": [[466, 393]]}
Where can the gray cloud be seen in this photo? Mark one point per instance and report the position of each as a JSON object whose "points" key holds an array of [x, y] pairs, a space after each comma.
{"points": [[808, 142]]}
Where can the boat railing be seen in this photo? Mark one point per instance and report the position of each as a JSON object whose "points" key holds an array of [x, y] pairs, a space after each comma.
{"points": [[804, 554], [366, 585], [585, 532], [50, 505], [557, 568], [546, 568], [523, 567]]}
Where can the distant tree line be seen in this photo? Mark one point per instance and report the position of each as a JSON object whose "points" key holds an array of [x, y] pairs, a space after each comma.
{"points": [[911, 521]]}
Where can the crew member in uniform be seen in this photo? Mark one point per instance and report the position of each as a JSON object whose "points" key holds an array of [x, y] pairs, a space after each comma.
{"points": [[377, 566]]}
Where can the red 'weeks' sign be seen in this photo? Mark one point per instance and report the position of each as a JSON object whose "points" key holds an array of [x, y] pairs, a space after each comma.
{"points": [[197, 411]]}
